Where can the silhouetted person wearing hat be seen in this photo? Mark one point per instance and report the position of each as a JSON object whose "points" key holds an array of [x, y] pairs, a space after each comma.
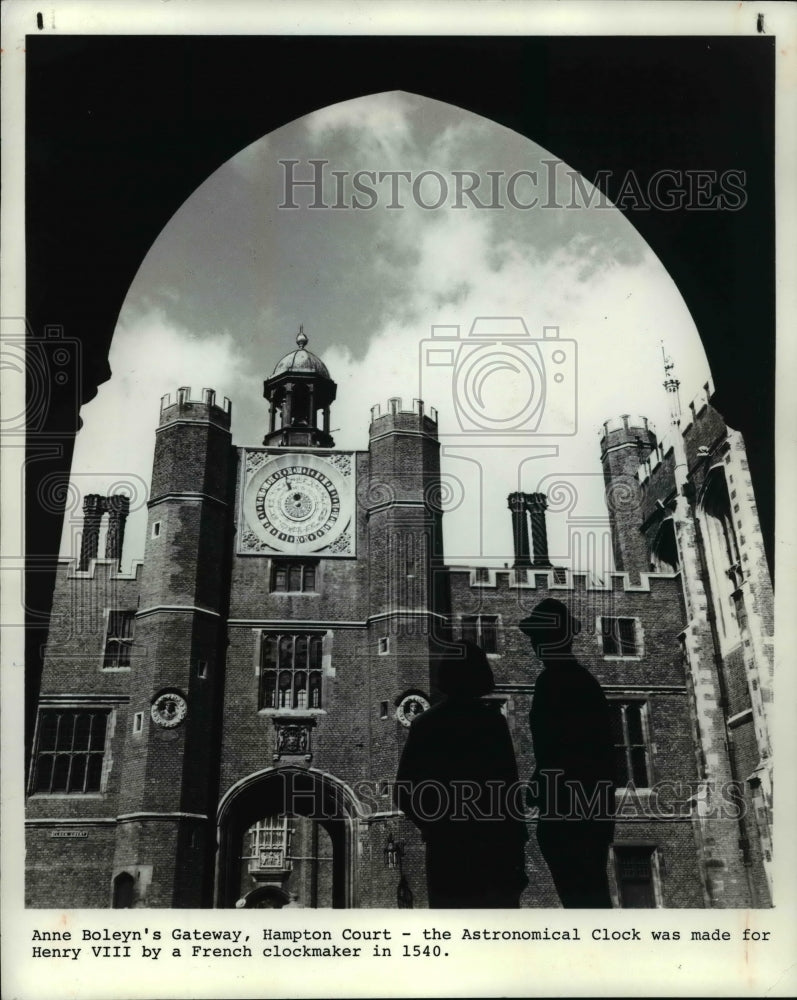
{"points": [[573, 783], [456, 783]]}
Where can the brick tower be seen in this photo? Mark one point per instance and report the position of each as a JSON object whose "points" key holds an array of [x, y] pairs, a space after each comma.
{"points": [[167, 798], [625, 443], [407, 596]]}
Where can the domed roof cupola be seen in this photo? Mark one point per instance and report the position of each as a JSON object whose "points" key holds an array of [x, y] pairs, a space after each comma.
{"points": [[300, 392], [300, 360]]}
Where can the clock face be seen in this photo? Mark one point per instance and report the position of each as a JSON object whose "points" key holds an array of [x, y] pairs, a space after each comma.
{"points": [[298, 504]]}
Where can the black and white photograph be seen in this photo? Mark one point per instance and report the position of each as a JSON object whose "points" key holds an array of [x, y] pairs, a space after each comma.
{"points": [[392, 443]]}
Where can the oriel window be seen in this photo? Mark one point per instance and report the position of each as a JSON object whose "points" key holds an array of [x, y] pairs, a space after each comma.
{"points": [[290, 675], [269, 844]]}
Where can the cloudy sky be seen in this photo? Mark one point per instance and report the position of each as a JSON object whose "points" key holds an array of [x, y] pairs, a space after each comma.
{"points": [[220, 296]]}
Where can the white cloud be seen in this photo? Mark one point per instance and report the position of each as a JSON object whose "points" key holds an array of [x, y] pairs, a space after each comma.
{"points": [[150, 357], [381, 122], [616, 314]]}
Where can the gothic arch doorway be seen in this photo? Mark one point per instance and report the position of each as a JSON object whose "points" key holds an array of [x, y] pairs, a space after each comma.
{"points": [[286, 838], [123, 891]]}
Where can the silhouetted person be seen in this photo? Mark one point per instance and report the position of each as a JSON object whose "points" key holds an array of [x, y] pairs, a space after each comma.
{"points": [[573, 783], [455, 782]]}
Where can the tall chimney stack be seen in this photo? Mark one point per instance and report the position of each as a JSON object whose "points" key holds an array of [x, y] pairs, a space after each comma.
{"points": [[537, 504], [520, 530], [93, 509], [118, 508]]}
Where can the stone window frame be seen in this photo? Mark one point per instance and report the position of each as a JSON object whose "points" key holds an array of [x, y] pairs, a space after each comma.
{"points": [[639, 638], [75, 708], [628, 745], [114, 645], [264, 635], [467, 621], [289, 566], [653, 851]]}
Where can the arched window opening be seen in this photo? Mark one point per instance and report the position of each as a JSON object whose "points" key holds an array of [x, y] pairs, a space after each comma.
{"points": [[664, 549]]}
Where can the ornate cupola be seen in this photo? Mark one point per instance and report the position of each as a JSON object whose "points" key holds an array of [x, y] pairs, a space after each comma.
{"points": [[298, 389]]}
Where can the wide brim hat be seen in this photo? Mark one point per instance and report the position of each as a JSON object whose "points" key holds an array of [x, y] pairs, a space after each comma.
{"points": [[550, 618]]}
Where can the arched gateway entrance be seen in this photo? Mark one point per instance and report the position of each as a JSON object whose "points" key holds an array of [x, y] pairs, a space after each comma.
{"points": [[286, 838]]}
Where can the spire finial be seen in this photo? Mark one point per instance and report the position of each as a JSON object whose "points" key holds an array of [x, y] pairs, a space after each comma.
{"points": [[671, 384], [669, 364], [301, 337]]}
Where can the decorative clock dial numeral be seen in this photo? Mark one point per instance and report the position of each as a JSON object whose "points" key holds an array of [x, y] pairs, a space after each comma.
{"points": [[297, 504]]}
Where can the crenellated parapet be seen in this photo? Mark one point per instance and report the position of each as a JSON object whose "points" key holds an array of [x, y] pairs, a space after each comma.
{"points": [[395, 409], [627, 429], [203, 409], [695, 414], [560, 578], [106, 569]]}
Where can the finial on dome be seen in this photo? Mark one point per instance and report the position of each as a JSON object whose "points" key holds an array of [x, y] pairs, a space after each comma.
{"points": [[301, 337]]}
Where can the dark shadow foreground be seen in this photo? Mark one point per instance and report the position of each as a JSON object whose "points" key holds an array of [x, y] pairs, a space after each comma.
{"points": [[454, 782]]}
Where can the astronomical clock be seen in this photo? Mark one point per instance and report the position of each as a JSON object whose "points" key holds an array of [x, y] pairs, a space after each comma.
{"points": [[297, 504]]}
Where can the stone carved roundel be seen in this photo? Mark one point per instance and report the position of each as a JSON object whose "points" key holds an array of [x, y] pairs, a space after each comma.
{"points": [[411, 706], [169, 709]]}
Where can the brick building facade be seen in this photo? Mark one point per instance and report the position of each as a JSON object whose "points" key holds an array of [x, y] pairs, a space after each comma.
{"points": [[221, 726]]}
